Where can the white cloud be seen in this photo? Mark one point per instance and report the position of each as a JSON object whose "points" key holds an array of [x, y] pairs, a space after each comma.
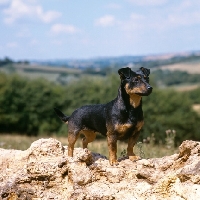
{"points": [[136, 17], [184, 19], [105, 21], [186, 13], [2, 2], [11, 45], [18, 9], [57, 42], [64, 28], [114, 6], [178, 14], [135, 23], [48, 16], [182, 14], [148, 2], [34, 42], [85, 41], [24, 33]]}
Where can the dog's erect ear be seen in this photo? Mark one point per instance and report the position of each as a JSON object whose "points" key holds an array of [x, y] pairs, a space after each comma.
{"points": [[145, 71], [124, 73]]}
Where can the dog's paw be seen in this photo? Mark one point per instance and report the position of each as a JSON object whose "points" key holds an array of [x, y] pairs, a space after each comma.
{"points": [[114, 162], [134, 158]]}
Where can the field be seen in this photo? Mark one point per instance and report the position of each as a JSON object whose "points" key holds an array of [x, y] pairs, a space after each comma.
{"points": [[39, 71], [185, 87], [190, 67], [99, 146]]}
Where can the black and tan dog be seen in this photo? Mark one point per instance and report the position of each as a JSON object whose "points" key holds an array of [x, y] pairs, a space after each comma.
{"points": [[120, 119]]}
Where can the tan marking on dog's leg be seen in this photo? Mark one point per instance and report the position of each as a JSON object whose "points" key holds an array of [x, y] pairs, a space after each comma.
{"points": [[89, 137], [131, 143], [112, 148], [72, 137]]}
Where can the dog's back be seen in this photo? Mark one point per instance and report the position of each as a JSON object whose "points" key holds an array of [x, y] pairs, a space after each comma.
{"points": [[89, 117]]}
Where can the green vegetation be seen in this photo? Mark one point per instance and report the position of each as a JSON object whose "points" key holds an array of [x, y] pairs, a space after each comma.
{"points": [[168, 109], [26, 106], [168, 78], [5, 61], [194, 95], [8, 61]]}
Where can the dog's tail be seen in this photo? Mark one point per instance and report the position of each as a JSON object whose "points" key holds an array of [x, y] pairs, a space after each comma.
{"points": [[61, 115]]}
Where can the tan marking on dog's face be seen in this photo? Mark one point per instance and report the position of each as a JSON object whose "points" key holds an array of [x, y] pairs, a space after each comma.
{"points": [[135, 90], [139, 90], [133, 93]]}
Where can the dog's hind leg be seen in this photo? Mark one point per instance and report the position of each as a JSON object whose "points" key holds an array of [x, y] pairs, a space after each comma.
{"points": [[89, 137], [72, 137]]}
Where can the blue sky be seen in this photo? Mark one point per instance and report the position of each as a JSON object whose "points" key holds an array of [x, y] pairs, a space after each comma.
{"points": [[62, 29]]}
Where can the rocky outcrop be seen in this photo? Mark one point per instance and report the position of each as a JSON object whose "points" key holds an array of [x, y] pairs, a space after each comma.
{"points": [[44, 172]]}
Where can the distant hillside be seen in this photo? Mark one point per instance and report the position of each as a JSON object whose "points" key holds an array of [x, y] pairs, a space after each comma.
{"points": [[190, 67], [120, 61], [66, 70], [93, 62], [30, 71]]}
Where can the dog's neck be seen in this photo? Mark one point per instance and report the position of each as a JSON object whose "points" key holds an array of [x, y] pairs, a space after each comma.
{"points": [[135, 100]]}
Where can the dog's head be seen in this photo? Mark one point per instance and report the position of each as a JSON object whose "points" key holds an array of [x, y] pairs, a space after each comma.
{"points": [[136, 82]]}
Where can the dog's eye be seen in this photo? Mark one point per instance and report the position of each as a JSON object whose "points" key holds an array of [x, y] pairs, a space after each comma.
{"points": [[137, 78]]}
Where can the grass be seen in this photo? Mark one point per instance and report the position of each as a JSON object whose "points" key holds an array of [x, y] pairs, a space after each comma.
{"points": [[144, 150]]}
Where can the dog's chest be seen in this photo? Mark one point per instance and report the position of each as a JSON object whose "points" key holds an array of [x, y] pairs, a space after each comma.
{"points": [[123, 128], [128, 128]]}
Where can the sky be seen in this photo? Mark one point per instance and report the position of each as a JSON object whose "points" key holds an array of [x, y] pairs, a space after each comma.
{"points": [[82, 29]]}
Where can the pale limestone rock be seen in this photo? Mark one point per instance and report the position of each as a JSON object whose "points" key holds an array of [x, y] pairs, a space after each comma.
{"points": [[45, 172]]}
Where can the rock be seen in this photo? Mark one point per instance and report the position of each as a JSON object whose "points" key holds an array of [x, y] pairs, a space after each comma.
{"points": [[44, 172]]}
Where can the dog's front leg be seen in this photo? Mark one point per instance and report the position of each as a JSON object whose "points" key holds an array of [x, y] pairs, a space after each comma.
{"points": [[112, 147], [131, 143]]}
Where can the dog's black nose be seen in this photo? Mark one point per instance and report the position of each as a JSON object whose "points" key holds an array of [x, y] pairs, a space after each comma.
{"points": [[149, 88]]}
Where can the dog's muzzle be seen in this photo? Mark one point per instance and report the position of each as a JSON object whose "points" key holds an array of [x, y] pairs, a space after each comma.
{"points": [[149, 90]]}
